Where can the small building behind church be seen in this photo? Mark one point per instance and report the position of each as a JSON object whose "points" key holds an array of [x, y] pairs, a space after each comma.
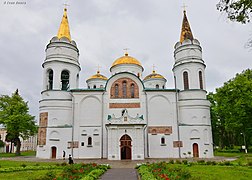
{"points": [[126, 115]]}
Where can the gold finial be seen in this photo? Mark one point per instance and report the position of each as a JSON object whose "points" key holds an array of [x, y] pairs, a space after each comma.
{"points": [[64, 30], [186, 32], [98, 69], [153, 69], [126, 51]]}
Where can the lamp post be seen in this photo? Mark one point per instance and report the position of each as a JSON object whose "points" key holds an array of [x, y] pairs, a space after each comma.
{"points": [[246, 151]]}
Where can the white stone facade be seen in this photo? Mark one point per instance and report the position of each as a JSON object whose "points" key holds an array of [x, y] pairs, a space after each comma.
{"points": [[124, 117]]}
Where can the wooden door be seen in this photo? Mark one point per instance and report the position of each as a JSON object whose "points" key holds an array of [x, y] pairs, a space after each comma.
{"points": [[195, 150], [125, 144], [54, 150]]}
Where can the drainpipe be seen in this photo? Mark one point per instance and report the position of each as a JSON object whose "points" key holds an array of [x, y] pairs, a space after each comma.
{"points": [[177, 114], [102, 116], [147, 119], [73, 102]]}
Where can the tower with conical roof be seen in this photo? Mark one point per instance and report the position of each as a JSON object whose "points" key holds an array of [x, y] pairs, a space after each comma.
{"points": [[61, 69], [193, 107]]}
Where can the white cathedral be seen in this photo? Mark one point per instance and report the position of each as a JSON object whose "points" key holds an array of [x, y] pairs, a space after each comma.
{"points": [[124, 116]]}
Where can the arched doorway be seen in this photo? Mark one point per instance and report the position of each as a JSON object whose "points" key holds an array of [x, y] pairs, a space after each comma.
{"points": [[195, 150], [54, 150], [125, 144]]}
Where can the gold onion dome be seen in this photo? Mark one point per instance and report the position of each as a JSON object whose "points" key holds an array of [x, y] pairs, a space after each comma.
{"points": [[186, 32], [154, 75], [98, 76], [126, 59], [64, 30]]}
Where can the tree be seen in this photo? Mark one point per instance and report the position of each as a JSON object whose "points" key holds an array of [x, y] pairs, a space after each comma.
{"points": [[231, 110], [14, 116], [237, 10]]}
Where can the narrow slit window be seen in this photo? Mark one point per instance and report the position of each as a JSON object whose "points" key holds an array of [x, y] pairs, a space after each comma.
{"points": [[50, 79], [89, 141], [132, 90], [124, 89], [186, 81], [200, 80], [116, 91], [162, 141], [64, 80]]}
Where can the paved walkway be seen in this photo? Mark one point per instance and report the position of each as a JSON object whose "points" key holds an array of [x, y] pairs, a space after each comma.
{"points": [[120, 174]]}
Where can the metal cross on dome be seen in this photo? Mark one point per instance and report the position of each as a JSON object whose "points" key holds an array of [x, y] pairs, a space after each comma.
{"points": [[184, 7], [153, 68], [126, 50], [98, 68], [65, 4]]}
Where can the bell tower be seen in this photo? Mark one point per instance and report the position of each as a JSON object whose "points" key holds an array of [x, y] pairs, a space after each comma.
{"points": [[61, 69], [193, 107]]}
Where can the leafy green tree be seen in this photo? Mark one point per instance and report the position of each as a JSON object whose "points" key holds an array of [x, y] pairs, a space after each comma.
{"points": [[16, 119], [231, 110], [237, 10]]}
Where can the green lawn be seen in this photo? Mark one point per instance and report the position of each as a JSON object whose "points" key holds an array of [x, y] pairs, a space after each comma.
{"points": [[7, 163], [209, 172], [23, 153], [24, 170], [25, 175]]}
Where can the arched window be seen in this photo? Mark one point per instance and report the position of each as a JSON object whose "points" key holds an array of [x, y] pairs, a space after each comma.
{"points": [[116, 91], [157, 86], [94, 86], [162, 140], [200, 80], [163, 87], [64, 80], [124, 89], [132, 90], [89, 141], [50, 79], [186, 81]]}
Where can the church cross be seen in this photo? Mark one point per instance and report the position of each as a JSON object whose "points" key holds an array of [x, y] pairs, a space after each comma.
{"points": [[126, 50], [153, 68], [65, 4], [98, 68], [184, 7]]}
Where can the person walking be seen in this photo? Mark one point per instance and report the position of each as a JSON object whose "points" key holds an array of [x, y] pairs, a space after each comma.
{"points": [[64, 155], [70, 159]]}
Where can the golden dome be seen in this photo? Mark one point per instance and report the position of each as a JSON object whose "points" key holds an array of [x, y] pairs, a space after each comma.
{"points": [[98, 76], [154, 75], [126, 59]]}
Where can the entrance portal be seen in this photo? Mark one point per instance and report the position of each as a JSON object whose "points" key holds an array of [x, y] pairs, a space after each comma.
{"points": [[125, 144], [195, 150], [54, 150]]}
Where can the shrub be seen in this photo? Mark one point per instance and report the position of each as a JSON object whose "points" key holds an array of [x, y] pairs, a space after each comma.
{"points": [[211, 163], [201, 162], [95, 174], [185, 162], [23, 165], [171, 161], [178, 161], [63, 164], [227, 163], [145, 173], [249, 163]]}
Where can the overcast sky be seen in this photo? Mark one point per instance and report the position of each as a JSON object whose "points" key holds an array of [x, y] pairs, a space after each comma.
{"points": [[103, 28]]}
